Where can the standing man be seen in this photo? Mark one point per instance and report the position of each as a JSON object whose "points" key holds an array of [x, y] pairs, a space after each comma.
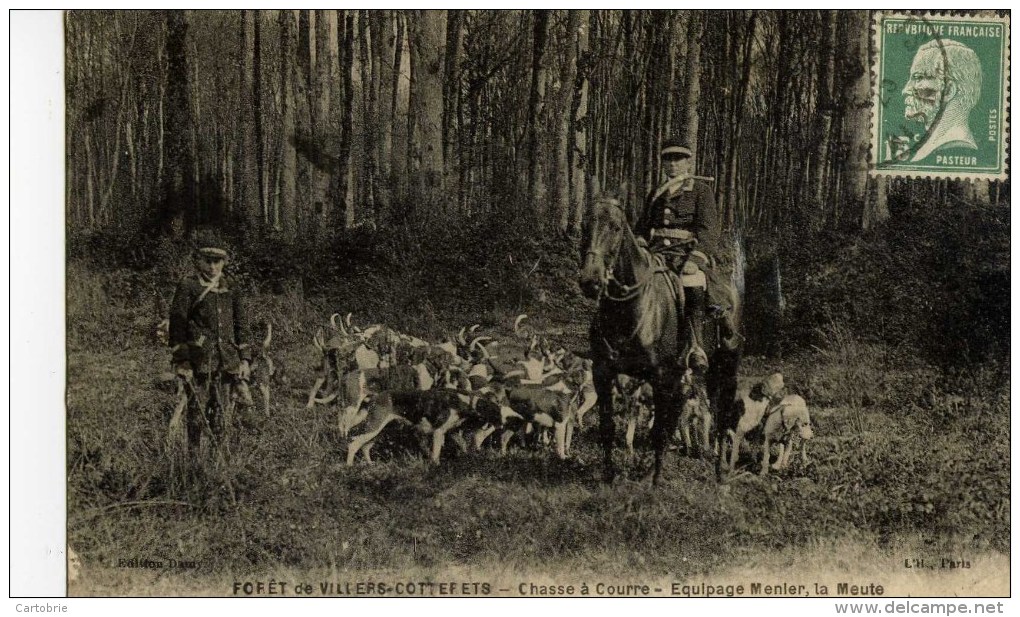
{"points": [[680, 220], [209, 338]]}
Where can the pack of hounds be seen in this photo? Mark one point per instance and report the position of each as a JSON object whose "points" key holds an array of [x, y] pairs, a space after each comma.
{"points": [[521, 388]]}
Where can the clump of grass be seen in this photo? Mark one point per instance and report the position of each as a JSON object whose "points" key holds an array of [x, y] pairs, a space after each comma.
{"points": [[853, 372]]}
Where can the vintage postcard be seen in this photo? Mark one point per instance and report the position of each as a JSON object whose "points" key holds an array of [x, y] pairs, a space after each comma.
{"points": [[538, 303], [940, 102]]}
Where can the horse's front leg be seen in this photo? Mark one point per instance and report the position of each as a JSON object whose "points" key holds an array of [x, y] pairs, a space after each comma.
{"points": [[603, 383], [667, 415]]}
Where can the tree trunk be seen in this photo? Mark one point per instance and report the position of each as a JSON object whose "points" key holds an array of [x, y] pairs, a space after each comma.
{"points": [[876, 208], [451, 97], [304, 102], [565, 107], [196, 127], [259, 122], [973, 191], [398, 152], [580, 167], [425, 113], [739, 103], [366, 127], [346, 168], [90, 188], [382, 57], [692, 73], [324, 59], [823, 111], [177, 191], [285, 220], [536, 186], [248, 192], [856, 110]]}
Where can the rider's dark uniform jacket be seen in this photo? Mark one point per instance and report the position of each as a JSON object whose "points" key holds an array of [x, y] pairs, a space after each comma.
{"points": [[690, 206], [208, 327]]}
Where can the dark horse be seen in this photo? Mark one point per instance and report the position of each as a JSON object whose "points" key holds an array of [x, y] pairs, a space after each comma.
{"points": [[635, 326]]}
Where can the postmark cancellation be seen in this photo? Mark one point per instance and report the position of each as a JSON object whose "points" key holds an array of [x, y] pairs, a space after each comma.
{"points": [[940, 96]]}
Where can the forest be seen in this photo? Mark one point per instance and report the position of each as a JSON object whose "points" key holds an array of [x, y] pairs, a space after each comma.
{"points": [[302, 130], [431, 169]]}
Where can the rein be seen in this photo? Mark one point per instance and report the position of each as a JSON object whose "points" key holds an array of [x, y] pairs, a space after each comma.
{"points": [[627, 292], [630, 292]]}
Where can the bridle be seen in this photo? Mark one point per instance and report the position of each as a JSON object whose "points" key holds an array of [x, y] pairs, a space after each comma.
{"points": [[629, 291]]}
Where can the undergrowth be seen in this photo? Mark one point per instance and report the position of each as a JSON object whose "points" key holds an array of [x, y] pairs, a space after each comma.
{"points": [[905, 446]]}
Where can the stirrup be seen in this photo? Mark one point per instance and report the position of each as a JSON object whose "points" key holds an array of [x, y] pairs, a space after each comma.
{"points": [[732, 342], [695, 358], [716, 311]]}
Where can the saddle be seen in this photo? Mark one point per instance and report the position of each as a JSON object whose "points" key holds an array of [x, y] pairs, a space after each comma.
{"points": [[661, 265], [682, 272]]}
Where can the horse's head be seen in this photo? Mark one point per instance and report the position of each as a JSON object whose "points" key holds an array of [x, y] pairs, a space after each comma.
{"points": [[608, 226]]}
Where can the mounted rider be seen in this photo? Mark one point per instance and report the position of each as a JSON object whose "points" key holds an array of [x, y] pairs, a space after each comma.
{"points": [[680, 221]]}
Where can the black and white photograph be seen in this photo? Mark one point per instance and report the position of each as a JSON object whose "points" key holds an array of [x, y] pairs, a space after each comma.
{"points": [[678, 303]]}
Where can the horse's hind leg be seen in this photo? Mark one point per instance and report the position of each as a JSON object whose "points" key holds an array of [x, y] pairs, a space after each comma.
{"points": [[660, 435]]}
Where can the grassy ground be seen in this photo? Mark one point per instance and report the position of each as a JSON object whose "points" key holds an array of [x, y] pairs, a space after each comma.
{"points": [[907, 463]]}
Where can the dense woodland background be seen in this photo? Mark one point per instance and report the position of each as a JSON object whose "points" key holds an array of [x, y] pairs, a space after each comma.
{"points": [[425, 142], [434, 169]]}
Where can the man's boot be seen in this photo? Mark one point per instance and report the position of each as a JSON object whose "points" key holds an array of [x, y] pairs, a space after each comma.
{"points": [[697, 357]]}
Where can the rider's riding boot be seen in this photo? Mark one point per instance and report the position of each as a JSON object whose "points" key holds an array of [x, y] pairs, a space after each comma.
{"points": [[697, 358]]}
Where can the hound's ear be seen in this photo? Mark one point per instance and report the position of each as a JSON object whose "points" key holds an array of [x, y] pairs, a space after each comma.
{"points": [[815, 424]]}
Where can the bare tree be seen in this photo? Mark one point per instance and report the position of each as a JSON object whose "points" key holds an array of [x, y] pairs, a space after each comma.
{"points": [[536, 186], [566, 95], [177, 191], [285, 217], [579, 157], [425, 113]]}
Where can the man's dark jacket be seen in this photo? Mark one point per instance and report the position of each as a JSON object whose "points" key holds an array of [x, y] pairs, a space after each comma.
{"points": [[209, 328]]}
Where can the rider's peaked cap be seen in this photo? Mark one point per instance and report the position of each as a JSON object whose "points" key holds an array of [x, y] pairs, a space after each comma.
{"points": [[674, 147]]}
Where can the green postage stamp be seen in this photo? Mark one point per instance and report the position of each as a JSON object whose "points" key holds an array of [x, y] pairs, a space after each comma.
{"points": [[940, 96]]}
